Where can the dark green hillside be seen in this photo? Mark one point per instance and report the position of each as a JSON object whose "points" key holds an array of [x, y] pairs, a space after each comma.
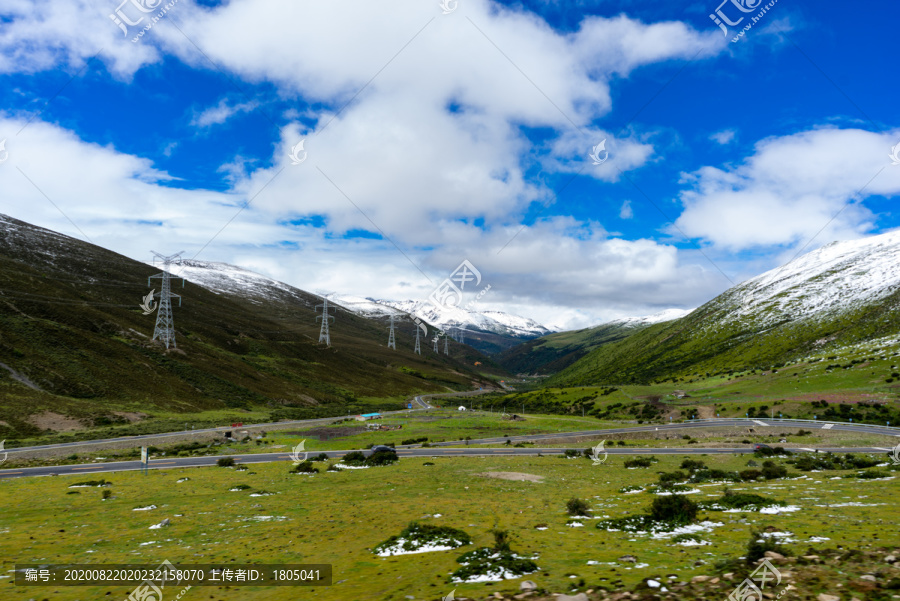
{"points": [[73, 341], [555, 352]]}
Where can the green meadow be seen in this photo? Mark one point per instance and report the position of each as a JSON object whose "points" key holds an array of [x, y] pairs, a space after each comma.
{"points": [[338, 517]]}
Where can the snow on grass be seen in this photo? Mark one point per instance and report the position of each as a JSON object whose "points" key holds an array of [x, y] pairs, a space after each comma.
{"points": [[147, 508], [397, 547], [343, 466]]}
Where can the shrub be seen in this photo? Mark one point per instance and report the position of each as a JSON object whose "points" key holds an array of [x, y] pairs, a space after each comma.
{"points": [[772, 470], [621, 443], [502, 539], [428, 463], [416, 535], [572, 453], [240, 487], [355, 457], [868, 474], [677, 509], [333, 468], [692, 465], [576, 506], [638, 462], [750, 475], [225, 462], [320, 457], [382, 458], [671, 477], [106, 494], [305, 467], [415, 440]]}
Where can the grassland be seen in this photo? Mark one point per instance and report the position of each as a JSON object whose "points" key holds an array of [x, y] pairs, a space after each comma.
{"points": [[339, 517]]}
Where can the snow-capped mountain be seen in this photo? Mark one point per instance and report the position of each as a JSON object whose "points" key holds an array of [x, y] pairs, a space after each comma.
{"points": [[646, 320], [832, 301], [822, 283], [230, 279], [225, 278], [446, 318]]}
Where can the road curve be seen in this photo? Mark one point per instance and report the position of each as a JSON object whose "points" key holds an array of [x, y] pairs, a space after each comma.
{"points": [[182, 462]]}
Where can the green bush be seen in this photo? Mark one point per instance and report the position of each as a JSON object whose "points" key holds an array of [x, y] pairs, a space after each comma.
{"points": [[415, 440], [382, 458], [750, 475], [225, 462], [637, 462], [106, 494], [676, 509], [576, 506], [692, 465], [772, 470], [305, 467], [572, 453], [354, 458], [320, 457]]}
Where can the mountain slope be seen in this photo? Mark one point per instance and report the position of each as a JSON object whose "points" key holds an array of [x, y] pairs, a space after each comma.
{"points": [[554, 352], [70, 326], [841, 294], [488, 331]]}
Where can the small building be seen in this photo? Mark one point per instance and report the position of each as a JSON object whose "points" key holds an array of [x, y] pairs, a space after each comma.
{"points": [[367, 416], [461, 408]]}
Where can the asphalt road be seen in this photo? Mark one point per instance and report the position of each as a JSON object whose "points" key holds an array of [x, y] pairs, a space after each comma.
{"points": [[717, 423], [89, 470], [422, 406]]}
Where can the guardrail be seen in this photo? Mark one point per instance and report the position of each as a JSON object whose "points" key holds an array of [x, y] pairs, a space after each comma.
{"points": [[788, 421]]}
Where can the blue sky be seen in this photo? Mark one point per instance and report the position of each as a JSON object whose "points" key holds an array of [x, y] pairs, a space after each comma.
{"points": [[433, 138]]}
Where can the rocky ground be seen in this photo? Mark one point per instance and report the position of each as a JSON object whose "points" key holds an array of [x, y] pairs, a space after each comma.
{"points": [[826, 575]]}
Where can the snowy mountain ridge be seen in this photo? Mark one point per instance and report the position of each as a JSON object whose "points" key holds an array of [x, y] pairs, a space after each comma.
{"points": [[821, 283], [446, 318], [231, 279]]}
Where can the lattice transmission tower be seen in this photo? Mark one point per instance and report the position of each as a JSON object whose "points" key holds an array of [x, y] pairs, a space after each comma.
{"points": [[418, 349], [436, 336], [324, 334], [446, 352], [165, 323], [392, 342]]}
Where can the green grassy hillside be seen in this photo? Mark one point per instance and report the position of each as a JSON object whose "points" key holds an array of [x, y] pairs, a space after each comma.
{"points": [[555, 352], [74, 342], [703, 342]]}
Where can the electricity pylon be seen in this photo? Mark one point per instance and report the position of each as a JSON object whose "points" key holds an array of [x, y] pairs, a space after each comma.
{"points": [[462, 335], [324, 334], [435, 344], [392, 343], [165, 324], [418, 349], [446, 352]]}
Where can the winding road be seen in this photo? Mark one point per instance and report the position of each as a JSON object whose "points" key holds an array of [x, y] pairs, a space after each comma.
{"points": [[440, 450]]}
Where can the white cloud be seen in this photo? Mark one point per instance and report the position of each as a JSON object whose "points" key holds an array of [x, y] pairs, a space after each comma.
{"points": [[626, 212], [220, 113], [723, 137], [790, 189], [419, 171]]}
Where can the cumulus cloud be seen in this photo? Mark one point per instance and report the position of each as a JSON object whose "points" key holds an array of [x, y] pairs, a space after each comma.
{"points": [[790, 189], [418, 134]]}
